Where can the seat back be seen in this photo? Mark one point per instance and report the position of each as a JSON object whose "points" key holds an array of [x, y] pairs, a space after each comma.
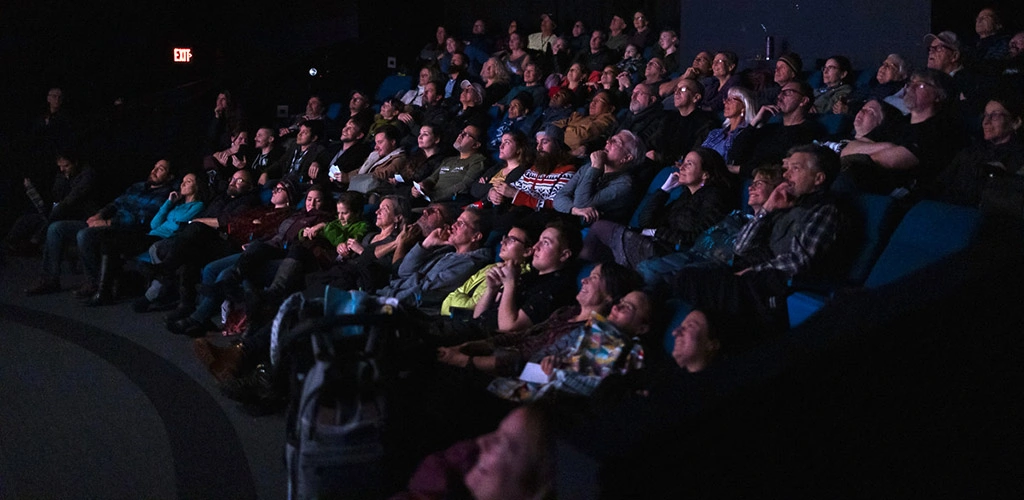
{"points": [[654, 185], [877, 217], [391, 86], [930, 231]]}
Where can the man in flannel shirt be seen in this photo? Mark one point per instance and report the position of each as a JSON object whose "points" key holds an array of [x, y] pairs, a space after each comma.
{"points": [[794, 235]]}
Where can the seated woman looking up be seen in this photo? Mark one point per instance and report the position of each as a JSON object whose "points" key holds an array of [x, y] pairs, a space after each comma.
{"points": [[704, 200], [740, 108]]}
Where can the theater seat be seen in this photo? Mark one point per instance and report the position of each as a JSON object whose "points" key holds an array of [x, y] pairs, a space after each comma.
{"points": [[391, 86], [929, 232]]}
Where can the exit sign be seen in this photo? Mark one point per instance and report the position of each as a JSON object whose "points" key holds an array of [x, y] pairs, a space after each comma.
{"points": [[182, 55]]}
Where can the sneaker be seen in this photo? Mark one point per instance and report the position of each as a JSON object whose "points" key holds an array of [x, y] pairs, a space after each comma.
{"points": [[250, 388]]}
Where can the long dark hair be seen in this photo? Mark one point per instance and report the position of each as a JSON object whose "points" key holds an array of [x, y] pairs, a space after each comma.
{"points": [[713, 164]]}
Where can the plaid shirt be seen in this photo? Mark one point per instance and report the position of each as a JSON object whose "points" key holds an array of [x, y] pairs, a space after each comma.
{"points": [[137, 205], [789, 240]]}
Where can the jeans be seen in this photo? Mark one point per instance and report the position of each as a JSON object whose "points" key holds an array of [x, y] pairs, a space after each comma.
{"points": [[58, 235]]}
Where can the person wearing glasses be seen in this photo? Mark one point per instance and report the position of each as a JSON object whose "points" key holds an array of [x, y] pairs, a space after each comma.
{"points": [[685, 126], [645, 115], [946, 54], [739, 112], [516, 250], [927, 145], [987, 174], [584, 131], [836, 75], [723, 77], [889, 79], [456, 174], [440, 263], [767, 144]]}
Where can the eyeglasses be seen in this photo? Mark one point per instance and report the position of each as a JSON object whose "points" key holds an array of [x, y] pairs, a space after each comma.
{"points": [[918, 85], [240, 180], [683, 90], [509, 238], [935, 48], [467, 134], [278, 189]]}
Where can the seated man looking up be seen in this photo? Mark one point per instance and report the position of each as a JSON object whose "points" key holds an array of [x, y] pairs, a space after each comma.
{"points": [[441, 262], [603, 189], [457, 173]]}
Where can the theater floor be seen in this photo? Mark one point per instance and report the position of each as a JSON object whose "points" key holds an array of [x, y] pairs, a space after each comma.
{"points": [[105, 403]]}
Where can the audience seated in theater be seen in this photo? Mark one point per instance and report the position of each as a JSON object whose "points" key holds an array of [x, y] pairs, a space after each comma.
{"points": [[516, 249], [414, 97], [536, 188], [988, 174], [723, 77], [515, 57], [560, 57], [432, 217], [645, 116], [787, 69], [739, 113], [265, 151], [643, 36], [435, 49], [318, 247], [836, 74], [586, 132], [559, 108], [514, 157], [767, 144], [992, 43], [496, 81], [458, 72], [428, 153], [115, 244], [505, 354], [478, 44], [514, 300], [369, 264], [433, 112], [945, 54], [73, 196], [440, 263], [228, 117], [704, 200], [359, 107], [542, 40], [603, 188], [344, 158], [575, 364], [452, 179], [716, 244], [315, 111], [798, 233], [667, 50], [469, 111], [219, 165], [926, 146], [890, 78], [229, 274], [632, 67], [515, 462], [519, 118], [379, 173], [131, 211], [452, 46], [876, 121], [596, 56], [178, 259], [579, 38], [389, 111], [575, 81], [618, 37], [295, 162], [684, 127], [533, 82]]}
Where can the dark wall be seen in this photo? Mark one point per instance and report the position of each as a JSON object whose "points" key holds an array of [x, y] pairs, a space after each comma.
{"points": [[864, 30]]}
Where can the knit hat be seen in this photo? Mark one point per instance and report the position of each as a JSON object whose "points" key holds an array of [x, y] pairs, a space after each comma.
{"points": [[555, 134], [792, 59]]}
